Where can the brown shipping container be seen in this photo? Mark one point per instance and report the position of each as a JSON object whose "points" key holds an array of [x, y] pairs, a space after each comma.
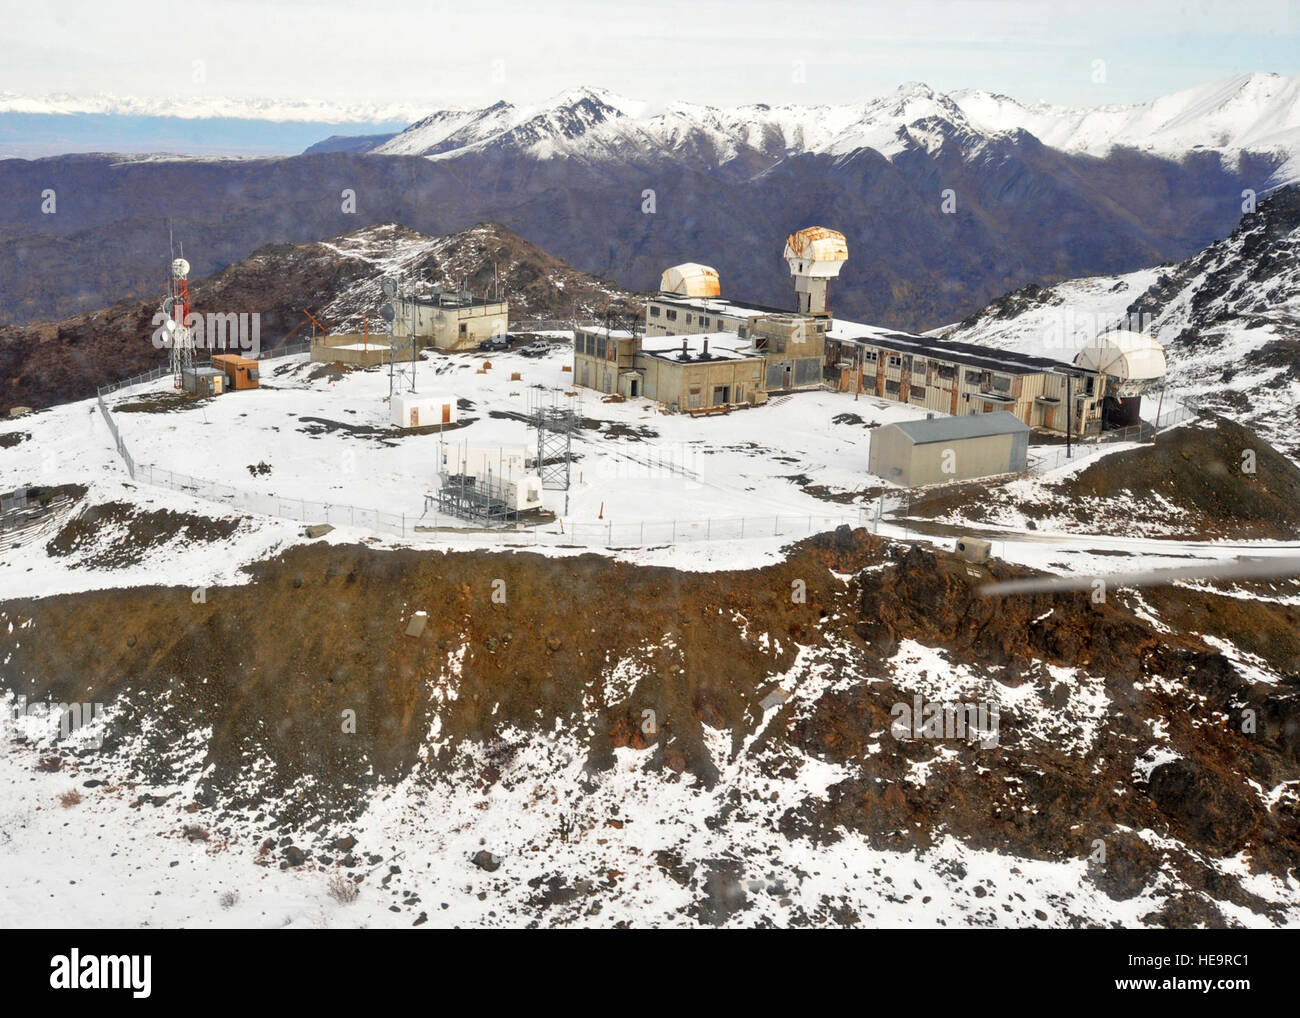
{"points": [[241, 372]]}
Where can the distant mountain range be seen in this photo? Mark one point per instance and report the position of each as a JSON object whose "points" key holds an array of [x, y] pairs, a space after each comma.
{"points": [[947, 200], [1250, 113]]}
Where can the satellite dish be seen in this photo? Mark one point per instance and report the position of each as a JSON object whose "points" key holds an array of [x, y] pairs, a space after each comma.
{"points": [[386, 312], [389, 286], [180, 268], [168, 306]]}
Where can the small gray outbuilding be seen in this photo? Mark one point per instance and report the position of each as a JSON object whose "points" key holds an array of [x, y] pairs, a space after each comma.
{"points": [[938, 449]]}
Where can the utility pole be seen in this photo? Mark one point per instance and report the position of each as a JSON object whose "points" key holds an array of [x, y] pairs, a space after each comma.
{"points": [[1155, 431], [1069, 414]]}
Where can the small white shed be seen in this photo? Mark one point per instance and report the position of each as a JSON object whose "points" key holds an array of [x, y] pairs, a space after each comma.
{"points": [[413, 411]]}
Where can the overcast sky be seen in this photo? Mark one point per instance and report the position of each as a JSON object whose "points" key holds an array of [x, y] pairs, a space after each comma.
{"points": [[472, 53]]}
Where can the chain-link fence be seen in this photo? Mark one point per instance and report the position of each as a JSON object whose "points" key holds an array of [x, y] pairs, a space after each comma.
{"points": [[1146, 431], [409, 524], [443, 528]]}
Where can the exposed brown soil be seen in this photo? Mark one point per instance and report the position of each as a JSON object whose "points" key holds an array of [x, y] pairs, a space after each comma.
{"points": [[1200, 470], [133, 532], [270, 666], [160, 403]]}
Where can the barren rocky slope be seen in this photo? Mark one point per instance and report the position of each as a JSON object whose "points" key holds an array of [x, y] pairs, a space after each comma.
{"points": [[1118, 740]]}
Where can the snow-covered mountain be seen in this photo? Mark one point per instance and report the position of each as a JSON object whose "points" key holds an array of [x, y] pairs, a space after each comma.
{"points": [[1229, 318], [1255, 112]]}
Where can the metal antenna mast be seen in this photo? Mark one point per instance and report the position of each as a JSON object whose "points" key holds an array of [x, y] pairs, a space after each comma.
{"points": [[555, 421]]}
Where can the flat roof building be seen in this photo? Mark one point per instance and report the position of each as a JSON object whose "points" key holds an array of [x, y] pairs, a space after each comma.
{"points": [[686, 373], [449, 321], [959, 379]]}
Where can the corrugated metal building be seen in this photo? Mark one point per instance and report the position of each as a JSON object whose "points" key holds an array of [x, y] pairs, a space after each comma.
{"points": [[939, 449]]}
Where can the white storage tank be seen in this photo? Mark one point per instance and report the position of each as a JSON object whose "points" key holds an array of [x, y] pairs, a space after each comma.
{"points": [[414, 411]]}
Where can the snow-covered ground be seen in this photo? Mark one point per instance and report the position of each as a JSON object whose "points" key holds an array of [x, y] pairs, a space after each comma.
{"points": [[663, 489], [331, 442], [626, 834], [1076, 311]]}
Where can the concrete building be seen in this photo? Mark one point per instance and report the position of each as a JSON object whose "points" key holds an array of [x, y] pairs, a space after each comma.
{"points": [[697, 372], [790, 344], [449, 321], [963, 378], [694, 373], [793, 348], [936, 449], [669, 314], [357, 349]]}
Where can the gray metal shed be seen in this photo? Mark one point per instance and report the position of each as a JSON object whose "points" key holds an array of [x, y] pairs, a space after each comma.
{"points": [[939, 449]]}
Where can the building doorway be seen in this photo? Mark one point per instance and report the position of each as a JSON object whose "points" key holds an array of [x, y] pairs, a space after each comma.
{"points": [[721, 395]]}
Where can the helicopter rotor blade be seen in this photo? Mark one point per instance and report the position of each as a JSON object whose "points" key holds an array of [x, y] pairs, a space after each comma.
{"points": [[1288, 565]]}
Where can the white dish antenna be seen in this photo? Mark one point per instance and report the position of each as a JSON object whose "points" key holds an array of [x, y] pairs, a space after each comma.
{"points": [[180, 268]]}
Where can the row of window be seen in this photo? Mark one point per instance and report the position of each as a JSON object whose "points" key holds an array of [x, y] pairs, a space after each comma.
{"points": [[947, 372], [591, 345], [670, 314]]}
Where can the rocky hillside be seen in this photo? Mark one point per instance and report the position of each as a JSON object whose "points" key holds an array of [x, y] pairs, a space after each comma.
{"points": [[703, 750], [1229, 318], [1230, 321], [337, 280]]}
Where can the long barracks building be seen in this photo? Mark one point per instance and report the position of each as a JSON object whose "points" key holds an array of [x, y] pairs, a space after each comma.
{"points": [[962, 378]]}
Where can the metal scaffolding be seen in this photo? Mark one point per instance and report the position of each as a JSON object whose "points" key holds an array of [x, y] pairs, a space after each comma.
{"points": [[551, 412], [481, 500]]}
